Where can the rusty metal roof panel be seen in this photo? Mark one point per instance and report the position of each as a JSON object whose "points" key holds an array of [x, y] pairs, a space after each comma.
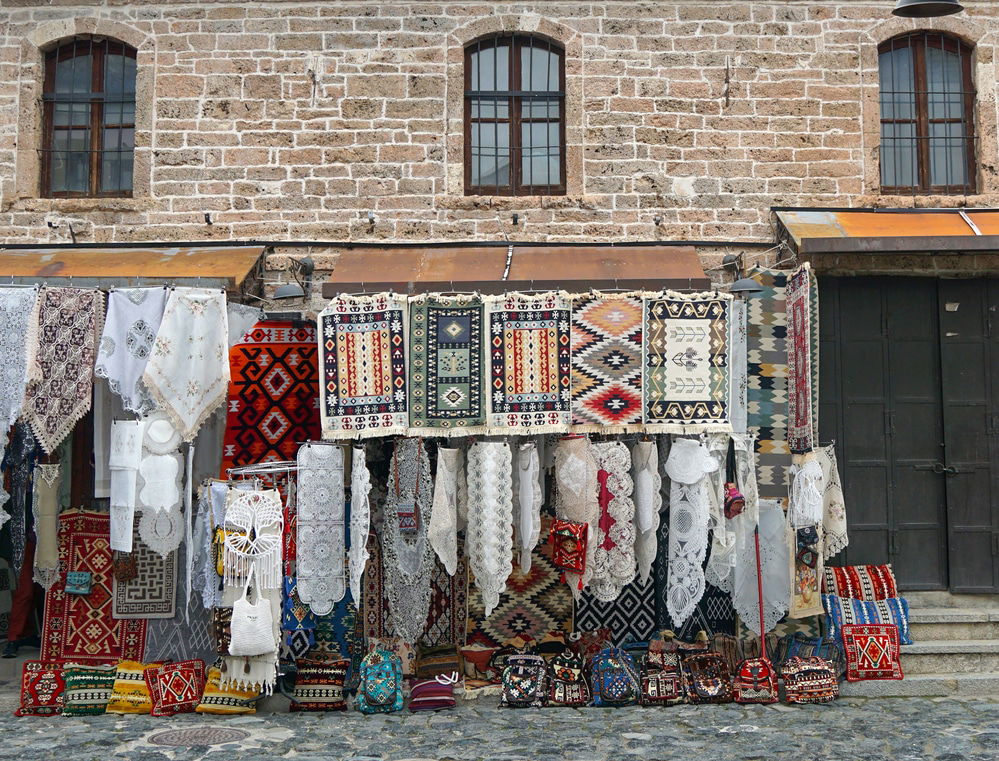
{"points": [[608, 267], [399, 269], [222, 266]]}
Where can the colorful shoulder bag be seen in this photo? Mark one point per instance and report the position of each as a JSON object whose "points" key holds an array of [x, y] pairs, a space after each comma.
{"points": [[615, 678], [707, 678], [524, 681], [380, 690], [567, 682]]}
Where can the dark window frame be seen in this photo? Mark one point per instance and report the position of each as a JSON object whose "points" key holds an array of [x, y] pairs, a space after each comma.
{"points": [[919, 41], [97, 97], [515, 96]]}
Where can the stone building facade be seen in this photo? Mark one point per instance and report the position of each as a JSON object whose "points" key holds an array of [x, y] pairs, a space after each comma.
{"points": [[289, 120]]}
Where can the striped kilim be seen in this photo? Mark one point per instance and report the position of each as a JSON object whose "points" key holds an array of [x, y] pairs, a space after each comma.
{"points": [[606, 362], [767, 369], [630, 618], [533, 604], [801, 433]]}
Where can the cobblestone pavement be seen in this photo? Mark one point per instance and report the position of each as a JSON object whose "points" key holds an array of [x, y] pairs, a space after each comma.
{"points": [[853, 729]]}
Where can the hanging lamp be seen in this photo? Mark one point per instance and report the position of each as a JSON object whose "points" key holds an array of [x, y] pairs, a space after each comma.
{"points": [[926, 8]]}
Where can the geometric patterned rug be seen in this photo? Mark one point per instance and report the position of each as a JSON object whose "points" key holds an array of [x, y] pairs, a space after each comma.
{"points": [[180, 638], [533, 604], [80, 628], [448, 605], [630, 618], [153, 591]]}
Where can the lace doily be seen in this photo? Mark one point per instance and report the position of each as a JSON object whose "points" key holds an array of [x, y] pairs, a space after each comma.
{"points": [[360, 519], [775, 571], [45, 509], [130, 328], [320, 534], [807, 490], [688, 466], [727, 553], [122, 527], [17, 308], [835, 537], [162, 530], [576, 499], [159, 435], [443, 531], [614, 558], [408, 561], [648, 500], [528, 498], [19, 460], [62, 369], [254, 523], [490, 519], [188, 372], [161, 476]]}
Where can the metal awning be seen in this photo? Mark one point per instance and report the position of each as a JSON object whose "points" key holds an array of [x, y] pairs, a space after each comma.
{"points": [[889, 231], [208, 266], [489, 269]]}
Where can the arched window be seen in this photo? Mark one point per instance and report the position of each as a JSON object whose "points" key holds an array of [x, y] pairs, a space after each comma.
{"points": [[514, 116], [88, 119], [927, 114]]}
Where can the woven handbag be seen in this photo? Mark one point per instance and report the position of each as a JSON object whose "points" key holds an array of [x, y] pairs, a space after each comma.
{"points": [[615, 678], [809, 680], [525, 682], [252, 627], [662, 677], [756, 678], [707, 679], [567, 680]]}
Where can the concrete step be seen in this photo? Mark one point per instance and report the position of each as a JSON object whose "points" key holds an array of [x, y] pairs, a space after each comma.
{"points": [[924, 685], [944, 599], [953, 623], [953, 656]]}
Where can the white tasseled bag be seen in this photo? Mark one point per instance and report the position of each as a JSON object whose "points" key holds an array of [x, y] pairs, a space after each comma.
{"points": [[252, 625]]}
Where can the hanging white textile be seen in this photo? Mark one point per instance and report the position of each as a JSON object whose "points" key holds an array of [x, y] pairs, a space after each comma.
{"points": [[254, 523], [834, 532], [738, 366], [320, 530], [162, 530], [648, 504], [360, 519], [211, 513], [241, 319], [688, 466], [18, 329], [614, 556], [408, 559], [130, 328], [45, 510], [124, 459], [775, 571], [490, 519], [160, 482], [443, 530], [807, 490], [188, 372], [726, 553], [576, 499], [527, 500]]}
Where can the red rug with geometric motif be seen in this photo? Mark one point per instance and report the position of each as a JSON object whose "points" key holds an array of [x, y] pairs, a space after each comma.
{"points": [[81, 628]]}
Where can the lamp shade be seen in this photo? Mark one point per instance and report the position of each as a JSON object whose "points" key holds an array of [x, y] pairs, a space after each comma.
{"points": [[926, 8], [745, 285], [289, 291]]}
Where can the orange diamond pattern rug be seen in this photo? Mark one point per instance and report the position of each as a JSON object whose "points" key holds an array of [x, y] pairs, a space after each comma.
{"points": [[80, 628]]}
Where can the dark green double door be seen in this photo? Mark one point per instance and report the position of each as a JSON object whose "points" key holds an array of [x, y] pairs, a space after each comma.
{"points": [[909, 389]]}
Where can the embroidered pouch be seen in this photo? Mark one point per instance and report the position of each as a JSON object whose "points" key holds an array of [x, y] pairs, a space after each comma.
{"points": [[42, 689], [88, 689], [872, 652], [130, 693], [431, 694], [809, 680], [125, 566], [319, 686], [614, 677], [662, 677], [407, 517], [78, 582], [176, 687], [568, 541], [525, 682], [707, 678], [735, 503], [228, 701], [567, 680], [755, 681], [380, 690], [841, 611], [860, 582]]}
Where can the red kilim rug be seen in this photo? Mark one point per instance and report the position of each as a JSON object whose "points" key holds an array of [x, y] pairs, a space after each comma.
{"points": [[273, 394], [80, 628]]}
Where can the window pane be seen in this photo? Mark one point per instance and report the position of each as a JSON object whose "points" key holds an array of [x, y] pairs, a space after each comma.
{"points": [[73, 74], [116, 159], [898, 155], [540, 156], [490, 108], [71, 160], [538, 69], [65, 114], [540, 108], [119, 75], [943, 83], [898, 98], [491, 68], [948, 161], [490, 154], [119, 112]]}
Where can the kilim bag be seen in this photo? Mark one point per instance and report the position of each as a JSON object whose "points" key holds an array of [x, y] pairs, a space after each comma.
{"points": [[615, 678], [568, 541], [525, 682], [567, 685], [809, 680], [380, 690], [798, 645], [707, 679], [78, 582], [662, 677], [756, 679]]}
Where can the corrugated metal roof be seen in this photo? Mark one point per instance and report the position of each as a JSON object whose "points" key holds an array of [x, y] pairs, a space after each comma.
{"points": [[483, 268], [889, 230], [211, 266]]}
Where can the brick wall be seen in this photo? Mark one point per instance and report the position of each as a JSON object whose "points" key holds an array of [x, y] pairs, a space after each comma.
{"points": [[291, 120]]}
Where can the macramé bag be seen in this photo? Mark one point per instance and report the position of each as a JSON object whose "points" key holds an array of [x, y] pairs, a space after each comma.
{"points": [[252, 624]]}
